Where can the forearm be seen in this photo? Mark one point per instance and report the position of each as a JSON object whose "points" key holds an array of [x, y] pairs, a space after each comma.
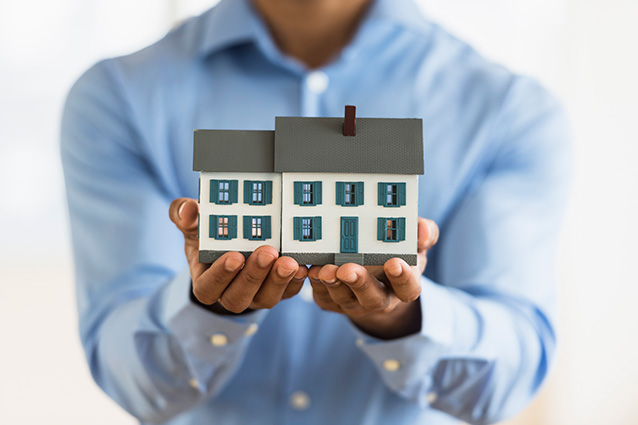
{"points": [[477, 357], [155, 354]]}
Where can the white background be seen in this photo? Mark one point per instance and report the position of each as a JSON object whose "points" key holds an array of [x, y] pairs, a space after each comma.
{"points": [[584, 50]]}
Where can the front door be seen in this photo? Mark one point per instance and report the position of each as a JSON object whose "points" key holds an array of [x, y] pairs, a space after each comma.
{"points": [[349, 230]]}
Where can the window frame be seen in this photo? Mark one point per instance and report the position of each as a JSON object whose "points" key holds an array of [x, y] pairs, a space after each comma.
{"points": [[387, 225], [216, 224], [314, 192], [266, 227], [384, 192], [311, 224], [249, 192], [217, 190], [354, 189]]}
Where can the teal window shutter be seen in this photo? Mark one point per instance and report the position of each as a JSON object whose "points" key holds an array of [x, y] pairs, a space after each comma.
{"points": [[401, 194], [232, 225], [212, 226], [247, 227], [316, 224], [232, 189], [340, 192], [317, 192], [380, 229], [297, 228], [358, 193], [268, 192], [214, 191], [382, 190], [248, 192], [266, 227], [401, 228], [298, 196]]}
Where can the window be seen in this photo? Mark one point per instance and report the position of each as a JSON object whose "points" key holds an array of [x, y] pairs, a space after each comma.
{"points": [[349, 194], [307, 233], [257, 228], [391, 194], [257, 192], [222, 227], [391, 229], [307, 193], [307, 228], [223, 191]]}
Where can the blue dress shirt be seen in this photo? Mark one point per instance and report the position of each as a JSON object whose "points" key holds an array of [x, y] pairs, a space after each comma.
{"points": [[497, 167]]}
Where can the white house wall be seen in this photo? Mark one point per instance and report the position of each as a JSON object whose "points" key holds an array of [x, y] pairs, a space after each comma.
{"points": [[331, 214], [239, 209]]}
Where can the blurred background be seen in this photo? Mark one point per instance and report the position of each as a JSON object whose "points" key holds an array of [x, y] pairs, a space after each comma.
{"points": [[583, 50]]}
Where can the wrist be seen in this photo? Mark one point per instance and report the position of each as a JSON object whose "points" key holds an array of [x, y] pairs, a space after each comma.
{"points": [[404, 320]]}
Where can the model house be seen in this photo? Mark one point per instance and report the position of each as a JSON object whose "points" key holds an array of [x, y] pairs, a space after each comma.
{"points": [[320, 190]]}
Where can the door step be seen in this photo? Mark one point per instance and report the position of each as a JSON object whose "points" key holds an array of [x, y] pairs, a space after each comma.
{"points": [[343, 258]]}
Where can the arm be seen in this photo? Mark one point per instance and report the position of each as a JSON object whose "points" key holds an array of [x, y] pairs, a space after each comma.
{"points": [[485, 337], [147, 343]]}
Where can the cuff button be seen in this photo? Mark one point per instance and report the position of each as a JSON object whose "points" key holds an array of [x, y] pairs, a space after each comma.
{"points": [[219, 340], [391, 365]]}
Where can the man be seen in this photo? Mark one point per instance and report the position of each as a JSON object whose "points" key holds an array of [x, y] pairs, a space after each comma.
{"points": [[475, 345]]}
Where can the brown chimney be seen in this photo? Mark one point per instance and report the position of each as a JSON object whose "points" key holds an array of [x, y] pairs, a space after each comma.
{"points": [[350, 122]]}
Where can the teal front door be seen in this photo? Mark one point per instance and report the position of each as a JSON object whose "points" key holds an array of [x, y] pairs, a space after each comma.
{"points": [[349, 234]]}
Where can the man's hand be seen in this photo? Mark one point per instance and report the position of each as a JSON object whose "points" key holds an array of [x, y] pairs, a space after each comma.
{"points": [[260, 282], [379, 300]]}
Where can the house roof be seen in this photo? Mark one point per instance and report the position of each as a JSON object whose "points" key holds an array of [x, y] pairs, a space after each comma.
{"points": [[381, 145], [301, 144], [233, 150]]}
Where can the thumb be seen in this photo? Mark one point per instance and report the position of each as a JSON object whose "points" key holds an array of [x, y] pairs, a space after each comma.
{"points": [[183, 212], [428, 234]]}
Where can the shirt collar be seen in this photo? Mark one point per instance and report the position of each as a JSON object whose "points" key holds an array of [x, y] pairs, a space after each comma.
{"points": [[234, 22], [229, 23]]}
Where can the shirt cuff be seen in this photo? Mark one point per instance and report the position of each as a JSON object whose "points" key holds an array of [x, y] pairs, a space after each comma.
{"points": [[406, 364], [201, 333]]}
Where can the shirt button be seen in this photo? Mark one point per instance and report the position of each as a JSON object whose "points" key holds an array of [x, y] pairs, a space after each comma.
{"points": [[391, 365], [431, 397], [252, 329], [219, 340], [360, 342], [299, 400], [317, 82], [194, 383]]}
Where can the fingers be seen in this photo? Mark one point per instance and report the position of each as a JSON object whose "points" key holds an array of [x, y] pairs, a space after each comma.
{"points": [[349, 289], [369, 292], [296, 283], [273, 288], [320, 292], [428, 234], [209, 286], [404, 282], [239, 295], [339, 292]]}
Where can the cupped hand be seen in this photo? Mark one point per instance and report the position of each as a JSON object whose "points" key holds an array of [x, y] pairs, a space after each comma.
{"points": [[378, 299], [231, 281]]}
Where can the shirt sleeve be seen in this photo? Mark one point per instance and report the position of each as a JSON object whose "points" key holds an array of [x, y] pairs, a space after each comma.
{"points": [[488, 313], [148, 346]]}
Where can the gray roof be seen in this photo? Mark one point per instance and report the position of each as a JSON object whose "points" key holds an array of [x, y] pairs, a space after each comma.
{"points": [[300, 144], [233, 150], [381, 145]]}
